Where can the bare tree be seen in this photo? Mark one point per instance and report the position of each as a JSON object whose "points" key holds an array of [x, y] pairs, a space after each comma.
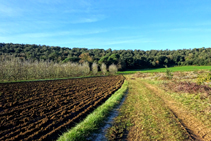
{"points": [[94, 68], [112, 69], [103, 68]]}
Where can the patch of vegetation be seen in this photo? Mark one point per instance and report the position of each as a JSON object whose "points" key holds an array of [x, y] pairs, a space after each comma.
{"points": [[189, 87], [203, 78]]}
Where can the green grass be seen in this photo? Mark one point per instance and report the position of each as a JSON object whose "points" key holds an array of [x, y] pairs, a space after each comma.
{"points": [[94, 121], [173, 69]]}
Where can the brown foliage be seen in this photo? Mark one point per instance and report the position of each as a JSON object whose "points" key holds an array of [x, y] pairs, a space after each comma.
{"points": [[85, 57]]}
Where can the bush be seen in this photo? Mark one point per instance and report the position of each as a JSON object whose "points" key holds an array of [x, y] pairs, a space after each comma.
{"points": [[169, 75], [103, 68], [112, 69]]}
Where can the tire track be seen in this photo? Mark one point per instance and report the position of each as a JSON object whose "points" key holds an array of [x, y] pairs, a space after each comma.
{"points": [[196, 129]]}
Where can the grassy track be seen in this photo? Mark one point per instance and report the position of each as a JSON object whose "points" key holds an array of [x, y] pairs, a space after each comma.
{"points": [[150, 113], [93, 121], [150, 118], [181, 68]]}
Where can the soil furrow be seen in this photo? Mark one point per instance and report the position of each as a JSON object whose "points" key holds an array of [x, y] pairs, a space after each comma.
{"points": [[58, 105]]}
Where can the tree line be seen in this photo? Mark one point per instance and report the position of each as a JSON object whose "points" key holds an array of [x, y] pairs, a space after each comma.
{"points": [[124, 59]]}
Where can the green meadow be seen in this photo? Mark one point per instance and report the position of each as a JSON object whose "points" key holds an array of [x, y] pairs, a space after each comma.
{"points": [[173, 69]]}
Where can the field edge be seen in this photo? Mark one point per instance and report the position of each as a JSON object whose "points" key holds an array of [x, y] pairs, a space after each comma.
{"points": [[91, 124]]}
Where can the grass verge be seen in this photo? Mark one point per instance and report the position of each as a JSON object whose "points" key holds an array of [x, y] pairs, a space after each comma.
{"points": [[94, 121]]}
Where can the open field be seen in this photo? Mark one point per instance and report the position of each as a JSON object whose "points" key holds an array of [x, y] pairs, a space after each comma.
{"points": [[173, 69], [44, 109], [156, 107], [162, 109]]}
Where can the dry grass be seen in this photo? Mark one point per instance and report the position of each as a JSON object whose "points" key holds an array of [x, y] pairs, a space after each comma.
{"points": [[190, 76]]}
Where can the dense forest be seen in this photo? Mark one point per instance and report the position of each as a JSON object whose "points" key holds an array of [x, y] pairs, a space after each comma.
{"points": [[124, 59]]}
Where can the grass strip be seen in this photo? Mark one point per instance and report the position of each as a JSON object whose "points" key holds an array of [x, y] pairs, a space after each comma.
{"points": [[94, 121], [173, 69]]}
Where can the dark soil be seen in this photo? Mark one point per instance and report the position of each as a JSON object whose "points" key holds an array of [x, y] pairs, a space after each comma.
{"points": [[43, 110]]}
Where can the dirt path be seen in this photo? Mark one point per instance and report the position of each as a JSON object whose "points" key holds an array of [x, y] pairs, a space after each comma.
{"points": [[154, 115], [196, 129]]}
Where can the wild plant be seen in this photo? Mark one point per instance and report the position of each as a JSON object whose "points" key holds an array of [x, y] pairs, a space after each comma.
{"points": [[169, 75]]}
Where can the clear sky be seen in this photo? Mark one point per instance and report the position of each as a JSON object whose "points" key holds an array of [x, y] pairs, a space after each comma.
{"points": [[115, 24]]}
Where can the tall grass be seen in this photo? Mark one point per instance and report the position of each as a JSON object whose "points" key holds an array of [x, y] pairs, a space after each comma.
{"points": [[13, 69]]}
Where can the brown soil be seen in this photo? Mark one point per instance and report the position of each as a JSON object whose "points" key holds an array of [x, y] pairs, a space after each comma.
{"points": [[43, 110], [196, 129]]}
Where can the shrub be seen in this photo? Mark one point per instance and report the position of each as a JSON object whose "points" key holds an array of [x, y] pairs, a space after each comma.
{"points": [[94, 68], [112, 69], [103, 68], [169, 75]]}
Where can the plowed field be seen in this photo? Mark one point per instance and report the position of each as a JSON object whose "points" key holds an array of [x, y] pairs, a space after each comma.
{"points": [[42, 110]]}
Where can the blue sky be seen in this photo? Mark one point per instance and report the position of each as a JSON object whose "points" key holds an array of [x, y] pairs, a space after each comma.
{"points": [[115, 24]]}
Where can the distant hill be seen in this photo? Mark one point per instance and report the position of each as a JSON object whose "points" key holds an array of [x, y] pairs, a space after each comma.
{"points": [[125, 59]]}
